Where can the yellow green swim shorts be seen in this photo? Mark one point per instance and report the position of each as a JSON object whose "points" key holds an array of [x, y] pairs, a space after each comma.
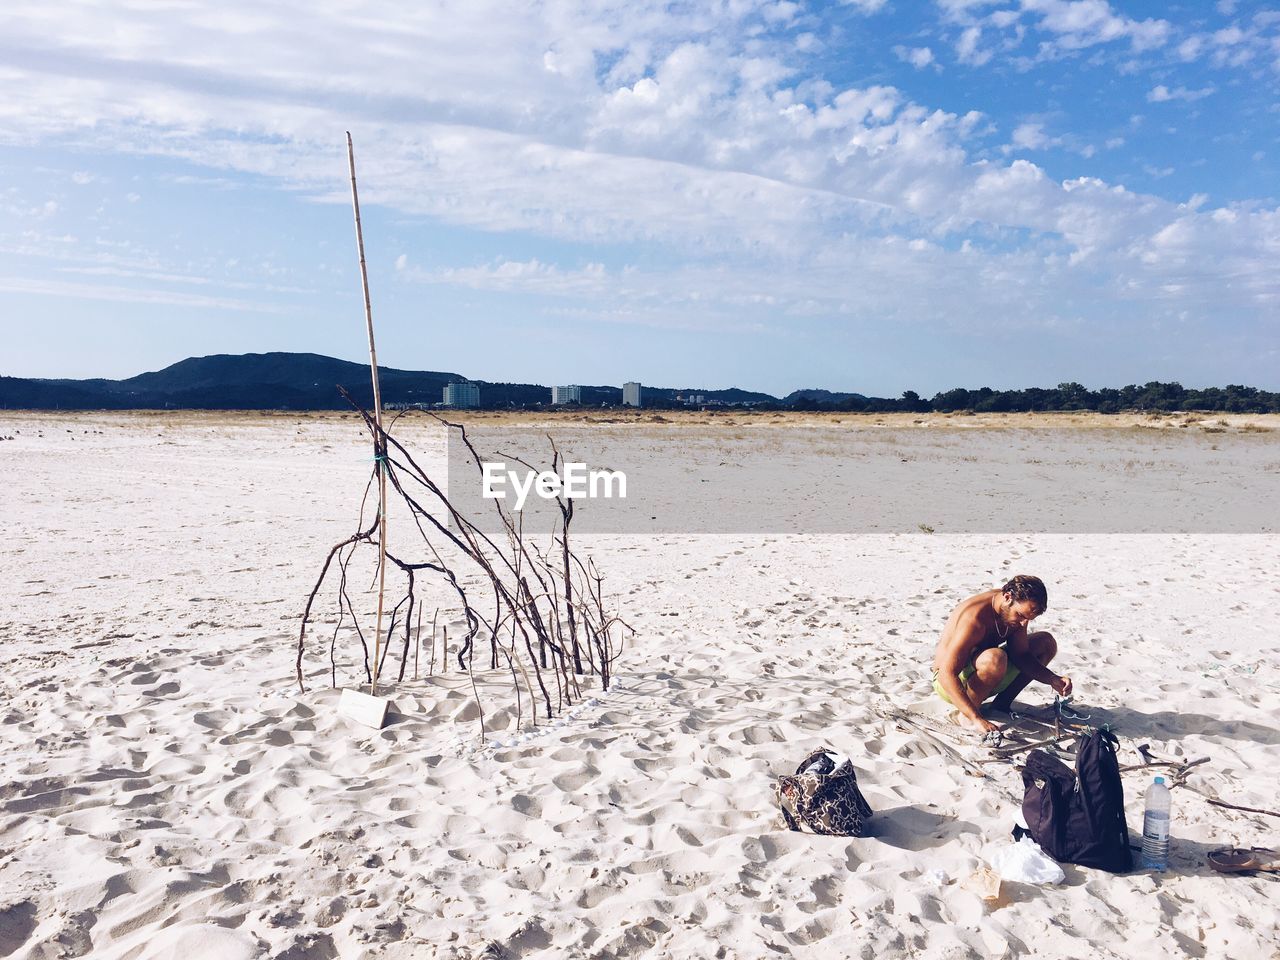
{"points": [[1010, 674]]}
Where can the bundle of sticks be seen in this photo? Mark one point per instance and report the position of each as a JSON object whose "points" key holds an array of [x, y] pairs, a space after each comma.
{"points": [[544, 616]]}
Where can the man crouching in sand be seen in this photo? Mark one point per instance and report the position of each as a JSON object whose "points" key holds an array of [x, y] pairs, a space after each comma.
{"points": [[986, 651]]}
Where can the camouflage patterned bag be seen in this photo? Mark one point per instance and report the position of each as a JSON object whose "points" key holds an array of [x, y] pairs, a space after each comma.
{"points": [[824, 797]]}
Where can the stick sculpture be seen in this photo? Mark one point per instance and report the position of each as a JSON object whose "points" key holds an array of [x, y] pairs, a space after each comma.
{"points": [[543, 615]]}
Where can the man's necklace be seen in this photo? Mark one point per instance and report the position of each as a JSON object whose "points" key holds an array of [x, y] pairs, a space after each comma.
{"points": [[1006, 629]]}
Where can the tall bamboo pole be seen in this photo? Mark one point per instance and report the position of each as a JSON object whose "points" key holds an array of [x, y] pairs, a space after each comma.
{"points": [[379, 445]]}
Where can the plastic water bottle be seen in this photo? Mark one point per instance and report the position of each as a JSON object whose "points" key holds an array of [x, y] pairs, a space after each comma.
{"points": [[1155, 827]]}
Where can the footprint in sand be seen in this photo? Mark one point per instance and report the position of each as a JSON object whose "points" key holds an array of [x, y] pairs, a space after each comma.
{"points": [[212, 719], [573, 781], [526, 805], [164, 689], [756, 735], [17, 923]]}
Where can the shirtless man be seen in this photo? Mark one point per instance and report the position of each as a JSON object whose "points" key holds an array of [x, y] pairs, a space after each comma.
{"points": [[985, 650]]}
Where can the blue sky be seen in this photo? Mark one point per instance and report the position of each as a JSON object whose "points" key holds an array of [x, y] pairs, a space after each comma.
{"points": [[869, 195]]}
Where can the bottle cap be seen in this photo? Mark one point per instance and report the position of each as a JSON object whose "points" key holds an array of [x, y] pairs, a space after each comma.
{"points": [[1159, 779]]}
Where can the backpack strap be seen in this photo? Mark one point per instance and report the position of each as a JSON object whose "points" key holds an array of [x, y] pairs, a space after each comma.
{"points": [[788, 819], [818, 758]]}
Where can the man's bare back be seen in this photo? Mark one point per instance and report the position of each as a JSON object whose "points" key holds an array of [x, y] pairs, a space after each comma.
{"points": [[985, 649]]}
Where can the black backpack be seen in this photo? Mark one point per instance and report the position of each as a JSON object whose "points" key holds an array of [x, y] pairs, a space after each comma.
{"points": [[1078, 817]]}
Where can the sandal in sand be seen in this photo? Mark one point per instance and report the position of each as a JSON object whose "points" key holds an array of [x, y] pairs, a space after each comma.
{"points": [[1239, 860]]}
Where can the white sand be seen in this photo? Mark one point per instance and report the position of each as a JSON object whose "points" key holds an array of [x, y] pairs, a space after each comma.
{"points": [[166, 792]]}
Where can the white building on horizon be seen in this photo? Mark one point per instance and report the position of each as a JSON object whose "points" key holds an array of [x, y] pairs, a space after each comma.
{"points": [[631, 394], [462, 395], [569, 394]]}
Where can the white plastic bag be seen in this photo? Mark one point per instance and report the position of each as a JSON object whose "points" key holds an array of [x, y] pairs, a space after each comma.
{"points": [[1025, 862]]}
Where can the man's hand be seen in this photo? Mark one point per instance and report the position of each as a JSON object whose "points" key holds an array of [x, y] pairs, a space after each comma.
{"points": [[983, 725], [1062, 686]]}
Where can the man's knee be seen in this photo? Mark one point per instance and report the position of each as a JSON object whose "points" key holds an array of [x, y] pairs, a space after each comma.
{"points": [[1043, 646], [991, 664]]}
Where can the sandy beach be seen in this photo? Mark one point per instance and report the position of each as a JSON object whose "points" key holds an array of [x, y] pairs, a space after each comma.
{"points": [[167, 792]]}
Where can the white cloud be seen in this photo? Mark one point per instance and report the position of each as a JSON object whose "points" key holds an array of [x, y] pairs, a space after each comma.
{"points": [[157, 276], [783, 12], [120, 294], [1162, 94], [963, 11], [1030, 136], [1190, 48], [1059, 27], [186, 179], [152, 275], [968, 50], [528, 276], [918, 57], [1084, 23], [1235, 46], [807, 43]]}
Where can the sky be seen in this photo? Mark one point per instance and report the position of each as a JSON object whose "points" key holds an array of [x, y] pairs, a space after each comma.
{"points": [[867, 196]]}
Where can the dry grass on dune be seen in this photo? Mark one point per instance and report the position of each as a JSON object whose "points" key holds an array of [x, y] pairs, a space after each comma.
{"points": [[737, 420]]}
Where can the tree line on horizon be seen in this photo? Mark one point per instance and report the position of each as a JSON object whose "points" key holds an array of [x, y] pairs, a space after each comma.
{"points": [[1153, 396]]}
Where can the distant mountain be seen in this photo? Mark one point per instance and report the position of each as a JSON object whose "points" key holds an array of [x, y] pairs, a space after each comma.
{"points": [[251, 381]]}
